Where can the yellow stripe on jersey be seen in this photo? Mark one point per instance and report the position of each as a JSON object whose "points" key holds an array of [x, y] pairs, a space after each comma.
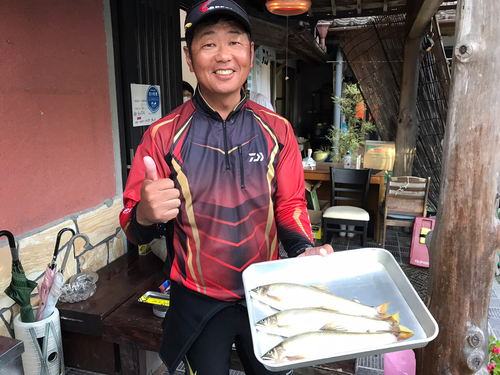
{"points": [[186, 192]]}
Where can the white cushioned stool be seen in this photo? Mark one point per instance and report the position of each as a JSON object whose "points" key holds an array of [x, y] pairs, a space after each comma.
{"points": [[349, 185]]}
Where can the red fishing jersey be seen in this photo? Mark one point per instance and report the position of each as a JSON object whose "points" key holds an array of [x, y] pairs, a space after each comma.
{"points": [[241, 186]]}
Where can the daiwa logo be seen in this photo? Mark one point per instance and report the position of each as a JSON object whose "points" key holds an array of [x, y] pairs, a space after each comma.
{"points": [[256, 156], [204, 6]]}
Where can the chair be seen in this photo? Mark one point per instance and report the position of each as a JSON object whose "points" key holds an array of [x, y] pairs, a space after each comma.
{"points": [[405, 199], [349, 185]]}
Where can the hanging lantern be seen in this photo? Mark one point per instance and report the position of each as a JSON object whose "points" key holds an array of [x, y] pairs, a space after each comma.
{"points": [[288, 7]]}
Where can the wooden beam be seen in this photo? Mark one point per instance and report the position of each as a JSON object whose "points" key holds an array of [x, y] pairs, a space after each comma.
{"points": [[334, 8], [352, 7], [302, 45], [359, 7], [466, 236], [447, 27], [368, 10], [280, 68], [423, 17], [407, 132], [443, 71], [385, 6]]}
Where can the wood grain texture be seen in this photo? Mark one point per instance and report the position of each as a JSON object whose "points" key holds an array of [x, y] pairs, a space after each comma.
{"points": [[117, 282], [466, 236]]}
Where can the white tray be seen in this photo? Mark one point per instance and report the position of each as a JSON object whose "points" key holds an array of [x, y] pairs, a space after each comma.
{"points": [[371, 276]]}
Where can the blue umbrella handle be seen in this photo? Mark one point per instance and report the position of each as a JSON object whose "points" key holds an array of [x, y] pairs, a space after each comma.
{"points": [[12, 244]]}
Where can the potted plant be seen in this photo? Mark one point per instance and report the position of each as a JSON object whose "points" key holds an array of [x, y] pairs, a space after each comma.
{"points": [[351, 136], [493, 356]]}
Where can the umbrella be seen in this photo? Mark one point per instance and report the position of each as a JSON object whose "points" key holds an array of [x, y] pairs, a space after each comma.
{"points": [[20, 287], [53, 264], [55, 291], [48, 279]]}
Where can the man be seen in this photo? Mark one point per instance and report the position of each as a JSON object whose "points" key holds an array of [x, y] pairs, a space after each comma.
{"points": [[226, 176], [257, 97]]}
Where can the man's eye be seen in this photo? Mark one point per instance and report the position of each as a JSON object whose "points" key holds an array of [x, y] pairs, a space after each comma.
{"points": [[209, 45], [234, 43]]}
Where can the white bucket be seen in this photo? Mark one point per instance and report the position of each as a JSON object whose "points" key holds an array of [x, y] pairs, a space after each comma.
{"points": [[47, 333]]}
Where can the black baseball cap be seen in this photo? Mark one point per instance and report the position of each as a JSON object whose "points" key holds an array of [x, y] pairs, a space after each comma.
{"points": [[203, 9]]}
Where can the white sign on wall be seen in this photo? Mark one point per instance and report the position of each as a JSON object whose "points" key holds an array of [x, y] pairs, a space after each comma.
{"points": [[146, 104], [258, 78]]}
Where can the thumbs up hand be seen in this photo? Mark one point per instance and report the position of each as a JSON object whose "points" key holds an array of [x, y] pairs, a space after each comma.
{"points": [[159, 198]]}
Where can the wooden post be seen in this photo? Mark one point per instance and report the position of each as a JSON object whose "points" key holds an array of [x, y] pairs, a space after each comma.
{"points": [[406, 138], [467, 234], [419, 15]]}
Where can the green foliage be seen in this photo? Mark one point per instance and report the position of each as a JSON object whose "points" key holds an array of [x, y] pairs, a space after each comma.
{"points": [[355, 135], [494, 356], [325, 148]]}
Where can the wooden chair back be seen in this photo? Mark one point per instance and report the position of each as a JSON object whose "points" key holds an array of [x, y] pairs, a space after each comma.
{"points": [[406, 196], [349, 185]]}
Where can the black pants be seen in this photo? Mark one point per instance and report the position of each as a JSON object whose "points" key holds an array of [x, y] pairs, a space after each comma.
{"points": [[210, 354]]}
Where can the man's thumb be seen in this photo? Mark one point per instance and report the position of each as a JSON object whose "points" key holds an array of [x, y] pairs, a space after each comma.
{"points": [[150, 166]]}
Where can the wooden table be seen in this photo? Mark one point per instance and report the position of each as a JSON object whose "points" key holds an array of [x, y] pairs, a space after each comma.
{"points": [[135, 329], [375, 194], [87, 342]]}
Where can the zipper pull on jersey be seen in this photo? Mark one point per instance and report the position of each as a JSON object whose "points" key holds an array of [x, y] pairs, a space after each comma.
{"points": [[242, 172], [228, 166]]}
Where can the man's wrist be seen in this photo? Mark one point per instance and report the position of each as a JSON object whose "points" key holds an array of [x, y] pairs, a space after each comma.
{"points": [[299, 250], [138, 217]]}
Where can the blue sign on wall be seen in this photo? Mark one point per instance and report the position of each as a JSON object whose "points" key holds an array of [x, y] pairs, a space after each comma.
{"points": [[153, 99]]}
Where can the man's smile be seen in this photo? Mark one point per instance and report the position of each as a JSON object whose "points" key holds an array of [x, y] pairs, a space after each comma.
{"points": [[224, 72]]}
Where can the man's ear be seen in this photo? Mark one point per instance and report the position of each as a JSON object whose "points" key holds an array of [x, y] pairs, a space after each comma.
{"points": [[188, 59], [251, 54]]}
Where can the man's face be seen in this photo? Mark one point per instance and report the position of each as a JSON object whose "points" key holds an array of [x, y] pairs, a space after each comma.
{"points": [[221, 58]]}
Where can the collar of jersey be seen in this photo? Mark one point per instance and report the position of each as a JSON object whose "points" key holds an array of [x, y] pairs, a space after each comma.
{"points": [[202, 105]]}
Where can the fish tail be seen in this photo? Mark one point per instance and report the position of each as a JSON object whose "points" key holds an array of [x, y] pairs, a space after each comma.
{"points": [[382, 309], [404, 333], [404, 329], [394, 318]]}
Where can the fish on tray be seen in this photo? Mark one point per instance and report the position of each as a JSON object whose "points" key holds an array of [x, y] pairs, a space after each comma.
{"points": [[292, 322], [321, 344], [284, 296]]}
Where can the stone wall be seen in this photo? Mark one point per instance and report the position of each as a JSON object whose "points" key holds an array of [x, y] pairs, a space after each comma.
{"points": [[100, 224]]}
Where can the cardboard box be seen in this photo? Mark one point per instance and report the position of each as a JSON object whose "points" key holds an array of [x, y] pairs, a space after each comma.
{"points": [[312, 196], [316, 219], [379, 155]]}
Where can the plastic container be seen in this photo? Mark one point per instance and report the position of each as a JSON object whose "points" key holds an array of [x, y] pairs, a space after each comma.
{"points": [[308, 162], [347, 161], [400, 363], [42, 345]]}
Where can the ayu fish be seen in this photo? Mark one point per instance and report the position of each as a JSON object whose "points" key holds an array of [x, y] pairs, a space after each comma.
{"points": [[325, 344], [284, 296], [292, 322]]}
